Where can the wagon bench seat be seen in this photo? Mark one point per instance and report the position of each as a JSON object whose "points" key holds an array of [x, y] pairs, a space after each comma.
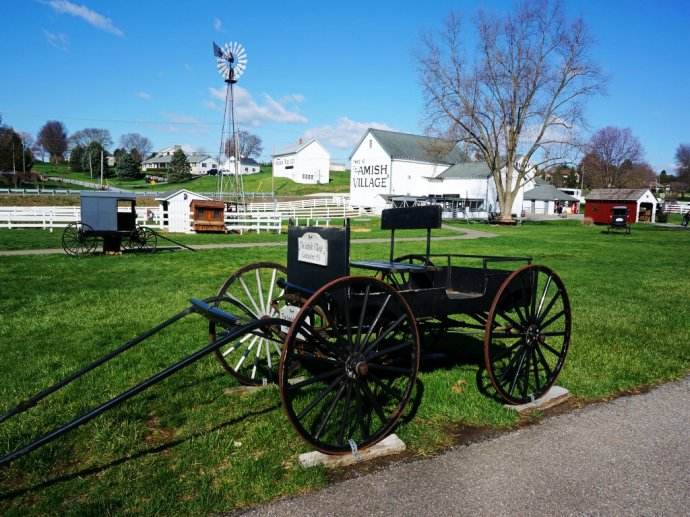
{"points": [[392, 267]]}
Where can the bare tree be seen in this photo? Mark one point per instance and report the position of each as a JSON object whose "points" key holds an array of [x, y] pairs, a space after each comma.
{"points": [[53, 138], [91, 134], [683, 162], [131, 141], [250, 145], [612, 152], [518, 99]]}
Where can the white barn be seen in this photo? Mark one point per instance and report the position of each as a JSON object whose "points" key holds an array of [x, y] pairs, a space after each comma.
{"points": [[387, 165], [247, 166], [306, 162]]}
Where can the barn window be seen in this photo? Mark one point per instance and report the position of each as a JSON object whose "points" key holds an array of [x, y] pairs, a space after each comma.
{"points": [[289, 167], [370, 143]]}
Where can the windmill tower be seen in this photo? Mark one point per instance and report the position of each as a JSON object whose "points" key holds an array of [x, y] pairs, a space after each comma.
{"points": [[231, 61]]}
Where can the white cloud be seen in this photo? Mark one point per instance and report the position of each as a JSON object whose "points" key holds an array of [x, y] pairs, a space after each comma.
{"points": [[344, 134], [144, 95], [177, 123], [217, 25], [251, 112], [57, 40], [88, 15]]}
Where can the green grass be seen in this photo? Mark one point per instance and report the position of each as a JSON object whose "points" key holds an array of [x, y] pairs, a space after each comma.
{"points": [[186, 446], [30, 238], [261, 182]]}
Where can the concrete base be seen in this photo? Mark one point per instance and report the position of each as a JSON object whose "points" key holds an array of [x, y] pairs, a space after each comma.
{"points": [[556, 395], [389, 445]]}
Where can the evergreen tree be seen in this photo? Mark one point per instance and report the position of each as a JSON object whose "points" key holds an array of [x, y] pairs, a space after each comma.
{"points": [[179, 167], [127, 168], [76, 156]]}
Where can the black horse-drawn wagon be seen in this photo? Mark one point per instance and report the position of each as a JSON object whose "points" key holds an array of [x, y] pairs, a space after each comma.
{"points": [[619, 220], [345, 349], [110, 217]]}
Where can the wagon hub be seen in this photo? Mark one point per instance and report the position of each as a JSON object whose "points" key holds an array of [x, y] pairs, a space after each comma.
{"points": [[533, 333], [356, 366]]}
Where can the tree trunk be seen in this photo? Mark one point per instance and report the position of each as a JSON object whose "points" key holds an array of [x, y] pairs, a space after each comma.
{"points": [[506, 200]]}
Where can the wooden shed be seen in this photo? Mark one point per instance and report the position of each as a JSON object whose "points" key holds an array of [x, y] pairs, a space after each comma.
{"points": [[641, 204], [208, 216]]}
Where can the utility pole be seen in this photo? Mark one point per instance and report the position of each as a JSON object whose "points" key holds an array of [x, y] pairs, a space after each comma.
{"points": [[101, 168]]}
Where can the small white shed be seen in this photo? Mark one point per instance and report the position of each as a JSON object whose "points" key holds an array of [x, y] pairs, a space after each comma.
{"points": [[175, 207]]}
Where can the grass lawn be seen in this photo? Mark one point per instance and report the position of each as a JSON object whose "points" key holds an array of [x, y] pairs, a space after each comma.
{"points": [[30, 238], [261, 182], [187, 446]]}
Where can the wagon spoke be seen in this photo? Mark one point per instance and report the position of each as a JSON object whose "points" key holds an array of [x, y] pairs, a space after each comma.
{"points": [[257, 356], [251, 298], [533, 292], [330, 411], [270, 290], [543, 362], [375, 403], [517, 372], [392, 369], [543, 296], [550, 349], [388, 350], [509, 319], [363, 311], [344, 421], [382, 385], [553, 319], [384, 334], [536, 370], [314, 379], [260, 290], [322, 394], [246, 353], [526, 372], [375, 322], [549, 306]]}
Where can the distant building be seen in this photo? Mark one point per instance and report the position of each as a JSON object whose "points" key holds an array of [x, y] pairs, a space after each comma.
{"points": [[176, 207], [200, 163], [546, 199], [305, 162], [641, 204], [247, 166]]}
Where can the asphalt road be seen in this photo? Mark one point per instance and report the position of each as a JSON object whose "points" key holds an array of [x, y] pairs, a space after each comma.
{"points": [[627, 457]]}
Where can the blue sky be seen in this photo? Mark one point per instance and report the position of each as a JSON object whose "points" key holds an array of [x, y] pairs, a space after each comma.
{"points": [[314, 69]]}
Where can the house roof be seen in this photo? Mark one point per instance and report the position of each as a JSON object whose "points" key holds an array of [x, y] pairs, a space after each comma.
{"points": [[616, 194], [295, 148], [191, 158], [416, 148], [466, 170], [544, 191]]}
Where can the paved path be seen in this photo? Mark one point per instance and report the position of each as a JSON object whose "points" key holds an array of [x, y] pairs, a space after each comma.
{"points": [[626, 457], [464, 233]]}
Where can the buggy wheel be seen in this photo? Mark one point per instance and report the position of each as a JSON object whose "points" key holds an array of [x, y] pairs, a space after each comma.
{"points": [[527, 334], [79, 239], [402, 280], [349, 364], [252, 292], [141, 238]]}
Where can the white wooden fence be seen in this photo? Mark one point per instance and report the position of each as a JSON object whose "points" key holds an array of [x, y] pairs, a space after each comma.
{"points": [[677, 207], [49, 217], [253, 221]]}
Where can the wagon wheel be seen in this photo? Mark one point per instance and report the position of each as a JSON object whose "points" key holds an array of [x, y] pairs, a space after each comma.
{"points": [[79, 239], [527, 334], [346, 384], [401, 279], [252, 292], [140, 238]]}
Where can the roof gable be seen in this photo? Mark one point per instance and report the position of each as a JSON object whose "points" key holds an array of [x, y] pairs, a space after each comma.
{"points": [[466, 170], [166, 196], [416, 148], [295, 148], [544, 191]]}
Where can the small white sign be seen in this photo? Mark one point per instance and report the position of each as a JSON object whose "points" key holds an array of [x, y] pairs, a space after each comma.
{"points": [[312, 248]]}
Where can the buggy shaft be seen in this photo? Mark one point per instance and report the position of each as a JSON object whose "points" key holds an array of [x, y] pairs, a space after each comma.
{"points": [[160, 376]]}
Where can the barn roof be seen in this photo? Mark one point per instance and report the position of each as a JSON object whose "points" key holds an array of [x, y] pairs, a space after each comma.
{"points": [[544, 191], [165, 196], [466, 170], [295, 148], [616, 194], [416, 148]]}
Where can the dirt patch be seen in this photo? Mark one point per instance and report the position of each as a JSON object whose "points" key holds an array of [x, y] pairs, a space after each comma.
{"points": [[157, 434]]}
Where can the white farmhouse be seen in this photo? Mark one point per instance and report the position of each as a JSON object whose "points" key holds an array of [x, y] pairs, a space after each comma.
{"points": [[200, 163], [306, 162], [247, 166], [389, 168]]}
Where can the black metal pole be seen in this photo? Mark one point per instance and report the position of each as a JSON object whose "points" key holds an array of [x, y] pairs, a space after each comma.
{"points": [[82, 419]]}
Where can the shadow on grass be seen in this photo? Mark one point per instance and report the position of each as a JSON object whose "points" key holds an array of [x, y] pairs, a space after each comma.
{"points": [[96, 469]]}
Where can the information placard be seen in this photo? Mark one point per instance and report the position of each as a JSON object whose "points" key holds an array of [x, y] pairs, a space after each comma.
{"points": [[312, 248]]}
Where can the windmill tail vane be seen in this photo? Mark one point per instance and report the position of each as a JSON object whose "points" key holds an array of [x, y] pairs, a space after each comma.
{"points": [[217, 51]]}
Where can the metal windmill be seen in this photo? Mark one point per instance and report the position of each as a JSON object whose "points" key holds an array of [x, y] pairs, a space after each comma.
{"points": [[231, 61]]}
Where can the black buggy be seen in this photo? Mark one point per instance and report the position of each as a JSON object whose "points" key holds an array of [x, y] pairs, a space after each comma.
{"points": [[619, 220], [109, 217], [345, 349]]}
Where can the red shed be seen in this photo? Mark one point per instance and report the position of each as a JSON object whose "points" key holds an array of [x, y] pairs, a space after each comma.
{"points": [[641, 204]]}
